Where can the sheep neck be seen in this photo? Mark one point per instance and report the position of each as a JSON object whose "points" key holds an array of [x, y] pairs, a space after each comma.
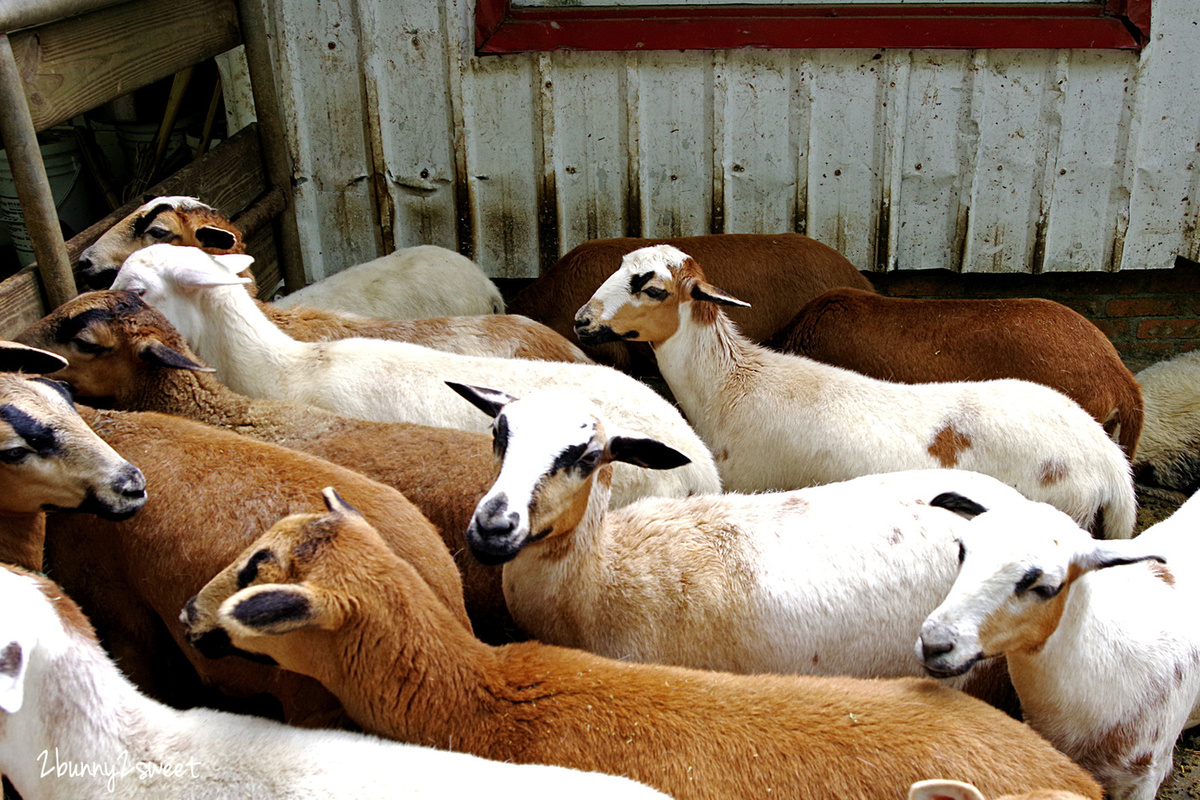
{"points": [[703, 361], [554, 575], [238, 340], [22, 539], [79, 710]]}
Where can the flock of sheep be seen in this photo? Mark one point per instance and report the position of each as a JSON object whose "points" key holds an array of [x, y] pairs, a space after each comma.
{"points": [[519, 571]]}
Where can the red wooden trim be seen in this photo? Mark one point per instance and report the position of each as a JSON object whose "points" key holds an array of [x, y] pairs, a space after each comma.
{"points": [[1109, 24]]}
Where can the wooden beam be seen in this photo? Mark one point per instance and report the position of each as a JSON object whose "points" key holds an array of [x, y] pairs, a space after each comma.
{"points": [[79, 63], [33, 187]]}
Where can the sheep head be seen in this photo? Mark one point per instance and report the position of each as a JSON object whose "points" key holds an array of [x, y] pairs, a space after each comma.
{"points": [[113, 345], [552, 447], [1016, 571], [289, 594], [642, 301], [174, 220]]}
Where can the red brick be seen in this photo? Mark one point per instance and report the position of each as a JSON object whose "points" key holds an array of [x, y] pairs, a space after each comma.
{"points": [[1156, 350], [1114, 329], [1142, 307], [1169, 329]]}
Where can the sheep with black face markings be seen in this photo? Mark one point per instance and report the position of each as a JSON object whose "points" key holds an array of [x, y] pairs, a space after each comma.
{"points": [[778, 421], [1101, 638], [740, 583]]}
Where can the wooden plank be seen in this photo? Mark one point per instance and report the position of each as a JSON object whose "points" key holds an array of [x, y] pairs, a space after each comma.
{"points": [[1016, 108], [936, 161], [320, 83], [410, 122], [20, 302], [1164, 205], [1087, 204], [591, 133], [77, 64], [758, 162], [675, 168], [845, 164], [503, 146]]}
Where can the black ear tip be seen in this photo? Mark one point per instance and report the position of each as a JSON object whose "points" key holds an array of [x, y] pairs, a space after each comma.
{"points": [[953, 501]]}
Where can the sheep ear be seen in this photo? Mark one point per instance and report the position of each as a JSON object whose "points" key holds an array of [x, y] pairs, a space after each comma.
{"points": [[706, 291], [1101, 554], [199, 278], [216, 238], [235, 263], [965, 507], [336, 503], [13, 664], [272, 609], [16, 357], [642, 452], [159, 354], [489, 401], [943, 790]]}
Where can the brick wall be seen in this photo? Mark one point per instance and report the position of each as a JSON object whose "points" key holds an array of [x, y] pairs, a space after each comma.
{"points": [[1148, 314]]}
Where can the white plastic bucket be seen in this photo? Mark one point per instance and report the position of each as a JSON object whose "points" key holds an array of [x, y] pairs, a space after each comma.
{"points": [[64, 168]]}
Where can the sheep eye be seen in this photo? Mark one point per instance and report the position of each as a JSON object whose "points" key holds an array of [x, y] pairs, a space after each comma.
{"points": [[655, 293], [962, 553], [1046, 592], [589, 460], [13, 455], [84, 346], [159, 234], [1028, 580]]}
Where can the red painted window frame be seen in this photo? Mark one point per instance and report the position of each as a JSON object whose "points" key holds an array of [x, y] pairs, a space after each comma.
{"points": [[1106, 24]]}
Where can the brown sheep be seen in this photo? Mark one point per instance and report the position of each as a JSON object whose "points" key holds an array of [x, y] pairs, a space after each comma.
{"points": [[932, 341], [211, 493], [324, 596], [187, 222], [776, 273], [51, 460], [126, 354]]}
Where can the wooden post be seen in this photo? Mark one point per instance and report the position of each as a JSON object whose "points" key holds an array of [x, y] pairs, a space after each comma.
{"points": [[33, 187], [271, 131]]}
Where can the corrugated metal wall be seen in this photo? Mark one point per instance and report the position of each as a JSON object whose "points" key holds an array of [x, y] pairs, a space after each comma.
{"points": [[991, 161]]}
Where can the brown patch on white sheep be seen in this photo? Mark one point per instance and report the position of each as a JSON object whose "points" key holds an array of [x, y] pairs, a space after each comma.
{"points": [[1052, 473], [1162, 572], [947, 444], [1006, 631]]}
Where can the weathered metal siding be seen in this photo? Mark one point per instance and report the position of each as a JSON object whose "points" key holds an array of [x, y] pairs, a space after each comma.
{"points": [[982, 161]]}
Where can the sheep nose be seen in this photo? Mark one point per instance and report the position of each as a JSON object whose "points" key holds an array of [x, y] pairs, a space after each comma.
{"points": [[931, 650], [131, 483], [189, 612], [494, 520]]}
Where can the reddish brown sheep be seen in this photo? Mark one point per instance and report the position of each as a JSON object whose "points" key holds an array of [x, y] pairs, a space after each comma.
{"points": [[935, 341], [776, 273]]}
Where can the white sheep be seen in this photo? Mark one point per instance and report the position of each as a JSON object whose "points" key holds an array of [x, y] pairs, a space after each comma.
{"points": [[776, 421], [1169, 451], [1106, 663], [410, 283], [384, 380], [72, 726], [831, 580]]}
